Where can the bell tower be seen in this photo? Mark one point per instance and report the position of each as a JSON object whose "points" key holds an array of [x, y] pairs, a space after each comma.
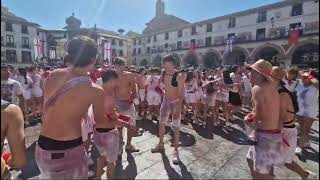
{"points": [[160, 9]]}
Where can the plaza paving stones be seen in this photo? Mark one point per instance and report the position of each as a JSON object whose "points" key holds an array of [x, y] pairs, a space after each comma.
{"points": [[219, 153]]}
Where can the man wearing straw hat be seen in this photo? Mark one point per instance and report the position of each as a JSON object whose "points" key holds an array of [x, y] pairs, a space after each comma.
{"points": [[268, 150], [287, 119]]}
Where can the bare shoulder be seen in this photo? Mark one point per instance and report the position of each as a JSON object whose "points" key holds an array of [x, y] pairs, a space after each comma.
{"points": [[256, 89], [57, 73], [181, 77], [97, 90], [14, 113], [129, 75]]}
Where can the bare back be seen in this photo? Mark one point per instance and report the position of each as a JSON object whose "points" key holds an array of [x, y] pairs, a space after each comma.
{"points": [[62, 121], [286, 109], [266, 106]]}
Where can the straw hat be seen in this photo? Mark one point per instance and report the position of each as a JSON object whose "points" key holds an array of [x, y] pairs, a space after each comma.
{"points": [[263, 67], [277, 73]]}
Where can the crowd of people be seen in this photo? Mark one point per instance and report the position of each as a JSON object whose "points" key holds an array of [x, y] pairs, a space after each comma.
{"points": [[84, 103]]}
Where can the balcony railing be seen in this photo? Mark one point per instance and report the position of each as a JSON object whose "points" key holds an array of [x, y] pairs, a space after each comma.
{"points": [[10, 45], [26, 46]]}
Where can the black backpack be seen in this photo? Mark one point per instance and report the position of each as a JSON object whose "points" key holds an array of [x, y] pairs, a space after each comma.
{"points": [[293, 96]]}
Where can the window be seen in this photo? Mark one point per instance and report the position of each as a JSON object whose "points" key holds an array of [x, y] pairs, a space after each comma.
{"points": [[10, 40], [134, 52], [261, 34], [193, 30], [24, 29], [25, 42], [2, 40], [149, 39], [166, 37], [166, 45], [232, 22], [9, 26], [155, 38], [179, 45], [148, 50], [192, 42], [11, 55], [3, 54], [230, 35], [298, 26], [113, 42], [208, 41], [121, 53], [262, 17], [209, 27], [139, 51], [121, 43], [134, 42], [180, 33], [26, 56], [296, 9], [139, 42]]}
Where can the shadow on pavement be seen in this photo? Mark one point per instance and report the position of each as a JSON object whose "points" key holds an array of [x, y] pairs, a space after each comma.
{"points": [[171, 172], [231, 134], [203, 131], [31, 169], [130, 172]]}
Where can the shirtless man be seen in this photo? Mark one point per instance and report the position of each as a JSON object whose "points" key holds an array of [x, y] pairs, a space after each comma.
{"points": [[59, 151], [125, 93], [106, 135], [12, 129], [172, 103], [141, 78], [287, 120], [266, 106]]}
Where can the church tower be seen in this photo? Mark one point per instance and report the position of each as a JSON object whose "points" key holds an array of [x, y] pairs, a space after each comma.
{"points": [[160, 8]]}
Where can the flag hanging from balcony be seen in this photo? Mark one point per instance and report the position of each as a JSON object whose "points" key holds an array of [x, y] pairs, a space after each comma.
{"points": [[294, 36], [193, 48], [37, 48], [107, 52]]}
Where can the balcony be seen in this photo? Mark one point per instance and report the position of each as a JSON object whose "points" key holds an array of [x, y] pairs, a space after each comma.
{"points": [[26, 46], [11, 45]]}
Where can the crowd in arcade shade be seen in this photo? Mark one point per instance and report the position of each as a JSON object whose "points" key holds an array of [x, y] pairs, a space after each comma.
{"points": [[83, 104]]}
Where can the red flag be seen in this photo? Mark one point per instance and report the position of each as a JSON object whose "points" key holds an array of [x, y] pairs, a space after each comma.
{"points": [[293, 37]]}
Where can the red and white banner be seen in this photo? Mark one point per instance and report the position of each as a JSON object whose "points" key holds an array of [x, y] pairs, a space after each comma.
{"points": [[107, 52], [294, 36], [38, 46]]}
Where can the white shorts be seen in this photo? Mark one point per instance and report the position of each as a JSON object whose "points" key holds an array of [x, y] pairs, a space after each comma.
{"points": [[27, 94], [290, 134], [153, 98], [310, 113], [191, 97], [141, 95], [223, 96], [36, 92]]}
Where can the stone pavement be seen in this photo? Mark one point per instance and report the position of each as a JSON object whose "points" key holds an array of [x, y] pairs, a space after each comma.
{"points": [[205, 154]]}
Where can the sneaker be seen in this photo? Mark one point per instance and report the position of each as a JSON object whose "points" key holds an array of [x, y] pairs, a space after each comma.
{"points": [[131, 148], [312, 175], [298, 151], [90, 161], [158, 148], [176, 159]]}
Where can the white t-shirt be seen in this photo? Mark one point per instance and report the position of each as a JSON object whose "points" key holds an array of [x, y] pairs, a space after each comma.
{"points": [[10, 90], [291, 87], [247, 84], [152, 82], [22, 80], [307, 100]]}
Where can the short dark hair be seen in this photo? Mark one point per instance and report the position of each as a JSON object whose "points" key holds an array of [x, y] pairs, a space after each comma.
{"points": [[169, 58], [108, 75], [119, 61], [81, 51], [141, 70]]}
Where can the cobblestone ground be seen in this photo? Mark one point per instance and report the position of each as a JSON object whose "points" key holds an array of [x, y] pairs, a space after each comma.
{"points": [[219, 153]]}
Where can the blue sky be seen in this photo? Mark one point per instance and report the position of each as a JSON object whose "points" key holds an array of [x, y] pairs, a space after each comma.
{"points": [[126, 14]]}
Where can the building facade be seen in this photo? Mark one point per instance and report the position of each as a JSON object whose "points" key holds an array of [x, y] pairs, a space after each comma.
{"points": [[17, 39], [235, 38]]}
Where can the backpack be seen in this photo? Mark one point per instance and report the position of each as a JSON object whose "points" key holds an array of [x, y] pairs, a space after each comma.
{"points": [[293, 96]]}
